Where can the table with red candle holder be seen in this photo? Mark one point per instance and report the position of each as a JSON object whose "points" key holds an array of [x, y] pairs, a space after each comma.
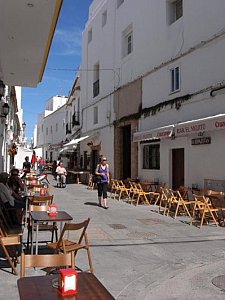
{"points": [[41, 287], [42, 216]]}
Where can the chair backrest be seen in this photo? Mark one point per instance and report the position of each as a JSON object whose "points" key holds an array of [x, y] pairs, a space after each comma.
{"points": [[46, 260], [38, 207], [74, 227], [40, 200]]}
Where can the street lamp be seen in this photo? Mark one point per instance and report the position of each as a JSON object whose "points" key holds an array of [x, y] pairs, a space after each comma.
{"points": [[23, 137], [24, 126], [5, 110]]}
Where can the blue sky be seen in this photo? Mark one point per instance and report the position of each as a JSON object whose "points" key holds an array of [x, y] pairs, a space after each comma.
{"points": [[65, 53]]}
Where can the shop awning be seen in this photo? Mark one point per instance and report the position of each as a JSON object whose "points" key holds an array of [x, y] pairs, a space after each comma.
{"points": [[76, 141], [211, 123], [157, 133]]}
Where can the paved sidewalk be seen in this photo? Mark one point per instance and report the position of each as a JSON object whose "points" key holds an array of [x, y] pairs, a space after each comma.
{"points": [[140, 254]]}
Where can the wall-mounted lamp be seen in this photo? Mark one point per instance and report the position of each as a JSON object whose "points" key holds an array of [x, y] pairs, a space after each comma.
{"points": [[2, 88], [5, 110], [173, 136]]}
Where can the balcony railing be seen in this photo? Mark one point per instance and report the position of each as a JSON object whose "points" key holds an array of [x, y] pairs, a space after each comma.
{"points": [[76, 119], [96, 88]]}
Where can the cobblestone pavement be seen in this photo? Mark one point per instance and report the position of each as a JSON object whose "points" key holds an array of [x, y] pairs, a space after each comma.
{"points": [[138, 253]]}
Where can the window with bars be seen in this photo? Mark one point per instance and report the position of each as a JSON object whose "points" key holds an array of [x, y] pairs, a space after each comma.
{"points": [[127, 41], [96, 115], [175, 79], [151, 157], [174, 10]]}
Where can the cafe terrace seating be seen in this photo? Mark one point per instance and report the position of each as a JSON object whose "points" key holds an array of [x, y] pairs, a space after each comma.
{"points": [[47, 261], [45, 226], [66, 246]]}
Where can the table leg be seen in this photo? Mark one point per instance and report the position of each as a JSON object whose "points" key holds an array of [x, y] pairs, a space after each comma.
{"points": [[36, 243], [32, 239], [26, 210]]}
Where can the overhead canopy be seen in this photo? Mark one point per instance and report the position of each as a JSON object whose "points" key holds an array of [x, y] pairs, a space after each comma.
{"points": [[157, 133], [27, 29], [211, 123], [76, 141], [216, 122]]}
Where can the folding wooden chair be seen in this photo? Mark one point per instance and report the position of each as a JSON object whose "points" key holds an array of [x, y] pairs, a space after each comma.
{"points": [[140, 193], [11, 241], [64, 245], [41, 200], [47, 261], [203, 208], [179, 204], [91, 184], [112, 187], [164, 199], [123, 190], [46, 226]]}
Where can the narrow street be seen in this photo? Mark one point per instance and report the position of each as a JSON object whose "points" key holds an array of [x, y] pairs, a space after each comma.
{"points": [[138, 253]]}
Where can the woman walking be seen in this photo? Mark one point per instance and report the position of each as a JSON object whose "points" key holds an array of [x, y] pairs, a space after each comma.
{"points": [[102, 172]]}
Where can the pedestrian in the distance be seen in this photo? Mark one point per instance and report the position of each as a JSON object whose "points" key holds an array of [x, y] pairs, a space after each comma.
{"points": [[102, 173], [33, 160], [41, 164]]}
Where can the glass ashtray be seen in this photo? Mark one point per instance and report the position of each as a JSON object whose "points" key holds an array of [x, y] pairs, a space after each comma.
{"points": [[55, 283]]}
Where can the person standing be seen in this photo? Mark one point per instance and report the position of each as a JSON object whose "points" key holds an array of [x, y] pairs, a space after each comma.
{"points": [[33, 160], [102, 172]]}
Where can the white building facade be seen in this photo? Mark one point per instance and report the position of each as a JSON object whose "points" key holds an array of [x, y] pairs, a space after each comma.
{"points": [[50, 132], [177, 49]]}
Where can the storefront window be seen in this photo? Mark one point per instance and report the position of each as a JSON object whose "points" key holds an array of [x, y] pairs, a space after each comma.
{"points": [[151, 157]]}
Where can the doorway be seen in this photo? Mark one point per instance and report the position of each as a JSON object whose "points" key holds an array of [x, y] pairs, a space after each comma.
{"points": [[126, 152], [94, 160], [177, 168]]}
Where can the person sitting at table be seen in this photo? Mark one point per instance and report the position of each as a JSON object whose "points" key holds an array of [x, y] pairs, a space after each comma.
{"points": [[15, 182], [61, 174], [8, 200]]}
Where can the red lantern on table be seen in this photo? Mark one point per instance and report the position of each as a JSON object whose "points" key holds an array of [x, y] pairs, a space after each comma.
{"points": [[52, 210], [42, 192], [68, 281]]}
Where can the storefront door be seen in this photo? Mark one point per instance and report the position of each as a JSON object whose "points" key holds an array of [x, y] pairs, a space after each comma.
{"points": [[177, 168], [126, 152]]}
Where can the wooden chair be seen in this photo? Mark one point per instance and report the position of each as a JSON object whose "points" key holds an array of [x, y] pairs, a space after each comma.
{"points": [[46, 226], [164, 200], [47, 261], [91, 184], [41, 200], [112, 187], [122, 190], [35, 187], [11, 241], [64, 245], [203, 209], [179, 204], [140, 193]]}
